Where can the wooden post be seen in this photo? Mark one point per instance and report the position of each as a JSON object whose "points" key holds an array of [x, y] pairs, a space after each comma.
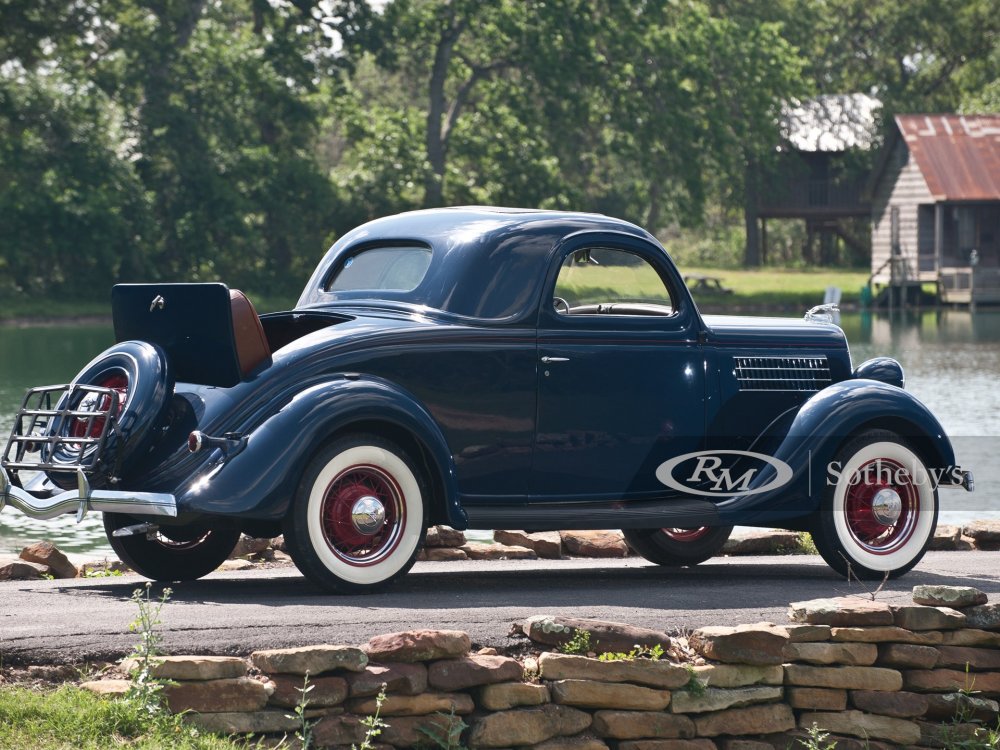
{"points": [[938, 244]]}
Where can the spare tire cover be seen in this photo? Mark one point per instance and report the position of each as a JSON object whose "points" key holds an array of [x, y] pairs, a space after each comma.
{"points": [[139, 373]]}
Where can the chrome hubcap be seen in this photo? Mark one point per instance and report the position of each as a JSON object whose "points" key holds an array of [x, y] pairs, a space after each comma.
{"points": [[887, 506], [368, 514]]}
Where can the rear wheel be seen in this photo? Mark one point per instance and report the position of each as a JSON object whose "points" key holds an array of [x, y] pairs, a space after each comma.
{"points": [[675, 547], [173, 553], [879, 516], [357, 521]]}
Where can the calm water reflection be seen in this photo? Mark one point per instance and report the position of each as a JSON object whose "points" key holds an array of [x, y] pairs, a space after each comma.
{"points": [[951, 359]]}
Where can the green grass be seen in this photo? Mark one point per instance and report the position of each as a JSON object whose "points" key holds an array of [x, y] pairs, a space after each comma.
{"points": [[762, 289], [69, 718], [768, 288], [779, 288], [41, 309]]}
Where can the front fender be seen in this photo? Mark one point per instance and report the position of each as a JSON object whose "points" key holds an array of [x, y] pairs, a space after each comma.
{"points": [[260, 480], [816, 433]]}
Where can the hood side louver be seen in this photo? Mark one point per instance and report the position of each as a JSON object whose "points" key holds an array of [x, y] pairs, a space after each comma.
{"points": [[782, 373]]}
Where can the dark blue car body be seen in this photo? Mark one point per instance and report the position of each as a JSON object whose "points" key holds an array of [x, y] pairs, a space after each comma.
{"points": [[513, 410]]}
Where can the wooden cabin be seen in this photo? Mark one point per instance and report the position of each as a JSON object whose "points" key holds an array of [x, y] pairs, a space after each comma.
{"points": [[935, 197], [818, 177]]}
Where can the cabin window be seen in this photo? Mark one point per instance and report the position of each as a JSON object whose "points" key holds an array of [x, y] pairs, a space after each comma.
{"points": [[611, 282], [396, 269]]}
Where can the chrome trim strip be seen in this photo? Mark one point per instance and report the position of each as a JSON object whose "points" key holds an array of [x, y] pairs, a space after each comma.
{"points": [[84, 499]]}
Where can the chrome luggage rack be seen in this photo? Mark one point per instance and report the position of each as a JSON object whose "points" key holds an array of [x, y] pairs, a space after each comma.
{"points": [[42, 428], [44, 424]]}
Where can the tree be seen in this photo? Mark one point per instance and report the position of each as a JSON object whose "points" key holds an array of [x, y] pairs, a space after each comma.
{"points": [[915, 56], [70, 208], [453, 46]]}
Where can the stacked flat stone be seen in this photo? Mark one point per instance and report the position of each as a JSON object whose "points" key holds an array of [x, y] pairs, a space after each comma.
{"points": [[442, 544], [869, 670], [871, 674]]}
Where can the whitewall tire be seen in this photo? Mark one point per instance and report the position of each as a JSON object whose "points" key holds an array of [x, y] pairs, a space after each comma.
{"points": [[357, 521], [879, 509]]}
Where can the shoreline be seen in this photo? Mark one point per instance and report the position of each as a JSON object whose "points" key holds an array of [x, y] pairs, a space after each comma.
{"points": [[793, 307], [29, 321]]}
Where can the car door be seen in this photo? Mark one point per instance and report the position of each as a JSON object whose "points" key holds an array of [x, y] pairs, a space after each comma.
{"points": [[621, 378]]}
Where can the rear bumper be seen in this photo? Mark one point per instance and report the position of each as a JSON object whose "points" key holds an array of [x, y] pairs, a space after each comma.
{"points": [[84, 499]]}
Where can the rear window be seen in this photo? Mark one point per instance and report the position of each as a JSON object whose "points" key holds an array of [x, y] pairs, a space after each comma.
{"points": [[397, 269]]}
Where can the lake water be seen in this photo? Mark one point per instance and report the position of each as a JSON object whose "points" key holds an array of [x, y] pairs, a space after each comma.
{"points": [[951, 359]]}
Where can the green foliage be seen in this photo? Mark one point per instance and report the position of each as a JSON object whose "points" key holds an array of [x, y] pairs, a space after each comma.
{"points": [[654, 653], [72, 718], [694, 686], [817, 739], [304, 734], [373, 724], [145, 689], [806, 544], [446, 735], [105, 573], [578, 644], [958, 736], [196, 140]]}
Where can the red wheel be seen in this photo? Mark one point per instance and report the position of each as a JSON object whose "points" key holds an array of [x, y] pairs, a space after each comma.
{"points": [[882, 515], [879, 513], [687, 535], [357, 521], [363, 515], [674, 546], [117, 381]]}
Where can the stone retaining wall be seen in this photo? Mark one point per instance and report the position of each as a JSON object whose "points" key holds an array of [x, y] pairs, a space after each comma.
{"points": [[871, 674]]}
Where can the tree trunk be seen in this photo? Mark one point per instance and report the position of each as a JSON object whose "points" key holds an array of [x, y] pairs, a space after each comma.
{"points": [[655, 194], [751, 256], [436, 143]]}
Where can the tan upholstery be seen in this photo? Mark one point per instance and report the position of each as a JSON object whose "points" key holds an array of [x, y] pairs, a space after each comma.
{"points": [[252, 349]]}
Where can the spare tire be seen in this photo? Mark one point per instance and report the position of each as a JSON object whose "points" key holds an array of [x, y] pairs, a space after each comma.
{"points": [[139, 373]]}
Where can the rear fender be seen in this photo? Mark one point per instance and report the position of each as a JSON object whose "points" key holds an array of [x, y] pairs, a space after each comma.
{"points": [[260, 480], [815, 434]]}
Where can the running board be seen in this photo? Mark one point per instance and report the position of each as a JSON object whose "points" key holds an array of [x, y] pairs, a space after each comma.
{"points": [[619, 514]]}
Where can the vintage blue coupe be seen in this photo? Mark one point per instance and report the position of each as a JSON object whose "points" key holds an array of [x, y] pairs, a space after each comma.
{"points": [[481, 368]]}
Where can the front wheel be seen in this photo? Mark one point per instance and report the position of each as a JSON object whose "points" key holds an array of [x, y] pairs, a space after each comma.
{"points": [[172, 553], [357, 521], [878, 516], [676, 547]]}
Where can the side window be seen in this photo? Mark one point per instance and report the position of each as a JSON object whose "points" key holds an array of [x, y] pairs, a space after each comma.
{"points": [[382, 269], [606, 281]]}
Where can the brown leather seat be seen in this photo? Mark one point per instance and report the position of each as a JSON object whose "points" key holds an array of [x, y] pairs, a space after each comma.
{"points": [[252, 348]]}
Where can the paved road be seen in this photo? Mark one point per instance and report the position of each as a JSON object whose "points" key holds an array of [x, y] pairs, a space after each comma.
{"points": [[235, 613]]}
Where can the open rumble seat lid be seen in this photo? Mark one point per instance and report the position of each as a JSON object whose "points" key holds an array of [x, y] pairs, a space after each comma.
{"points": [[192, 323]]}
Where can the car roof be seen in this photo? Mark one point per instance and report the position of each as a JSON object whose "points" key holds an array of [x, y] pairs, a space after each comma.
{"points": [[488, 262], [473, 224]]}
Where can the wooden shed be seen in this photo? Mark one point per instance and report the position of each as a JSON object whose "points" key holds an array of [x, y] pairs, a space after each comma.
{"points": [[935, 197], [817, 177]]}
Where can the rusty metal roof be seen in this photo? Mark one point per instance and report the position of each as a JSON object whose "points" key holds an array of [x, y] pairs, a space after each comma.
{"points": [[958, 155]]}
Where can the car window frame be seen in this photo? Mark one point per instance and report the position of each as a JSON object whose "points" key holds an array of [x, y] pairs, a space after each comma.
{"points": [[682, 318]]}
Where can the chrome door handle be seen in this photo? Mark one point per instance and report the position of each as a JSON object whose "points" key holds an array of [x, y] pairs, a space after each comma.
{"points": [[546, 360]]}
